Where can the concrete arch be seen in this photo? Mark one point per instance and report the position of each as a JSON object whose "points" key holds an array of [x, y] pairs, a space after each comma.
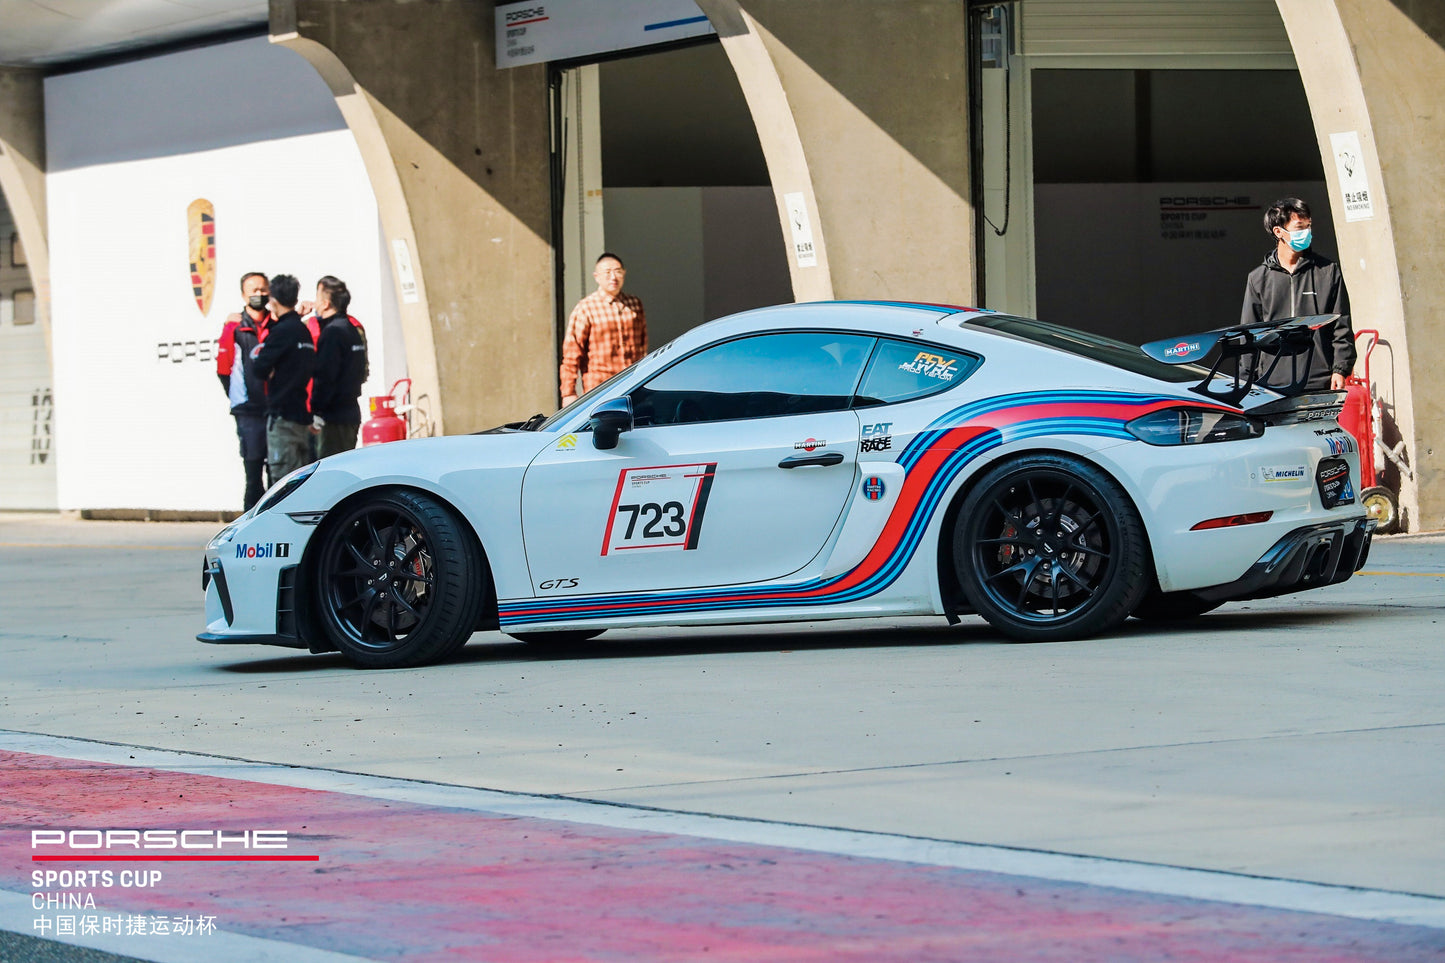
{"points": [[22, 177], [862, 108], [748, 52], [360, 113], [458, 156], [1376, 67]]}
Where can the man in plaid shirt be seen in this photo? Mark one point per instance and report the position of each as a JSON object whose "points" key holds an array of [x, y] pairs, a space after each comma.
{"points": [[606, 332]]}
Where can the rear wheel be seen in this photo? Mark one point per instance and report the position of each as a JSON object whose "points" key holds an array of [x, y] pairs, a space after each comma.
{"points": [[1050, 548], [400, 581], [1383, 507]]}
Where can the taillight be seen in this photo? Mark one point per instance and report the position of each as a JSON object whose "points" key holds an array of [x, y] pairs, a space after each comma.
{"points": [[1230, 521], [1193, 426]]}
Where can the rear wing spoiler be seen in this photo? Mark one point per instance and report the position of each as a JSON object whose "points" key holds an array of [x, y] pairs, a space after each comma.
{"points": [[1245, 349], [1320, 406]]}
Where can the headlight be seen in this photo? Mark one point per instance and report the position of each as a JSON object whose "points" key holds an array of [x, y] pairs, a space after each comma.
{"points": [[284, 487], [223, 536], [1193, 426]]}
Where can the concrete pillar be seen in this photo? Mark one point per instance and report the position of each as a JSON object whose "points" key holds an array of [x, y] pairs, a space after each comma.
{"points": [[458, 157], [1377, 67], [22, 176], [862, 108]]}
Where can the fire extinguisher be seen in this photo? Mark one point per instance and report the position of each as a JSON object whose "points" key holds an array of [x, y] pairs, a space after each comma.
{"points": [[386, 424]]}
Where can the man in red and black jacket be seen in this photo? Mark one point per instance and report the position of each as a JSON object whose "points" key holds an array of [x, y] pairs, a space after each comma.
{"points": [[242, 334]]}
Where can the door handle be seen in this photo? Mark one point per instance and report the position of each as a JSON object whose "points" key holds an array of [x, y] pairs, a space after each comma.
{"points": [[822, 460]]}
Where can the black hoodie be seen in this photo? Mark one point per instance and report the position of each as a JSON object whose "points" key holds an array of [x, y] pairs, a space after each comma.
{"points": [[340, 371], [1315, 287], [286, 360]]}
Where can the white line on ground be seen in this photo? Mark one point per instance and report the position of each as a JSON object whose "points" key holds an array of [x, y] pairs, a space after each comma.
{"points": [[1285, 894]]}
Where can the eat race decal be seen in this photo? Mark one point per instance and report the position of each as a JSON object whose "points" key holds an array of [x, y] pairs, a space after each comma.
{"points": [[658, 508], [877, 437]]}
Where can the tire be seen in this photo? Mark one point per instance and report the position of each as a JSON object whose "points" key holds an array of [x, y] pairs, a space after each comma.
{"points": [[408, 539], [1383, 507], [1049, 548], [1173, 606], [560, 640]]}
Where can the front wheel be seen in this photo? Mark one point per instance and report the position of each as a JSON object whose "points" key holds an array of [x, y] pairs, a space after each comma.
{"points": [[1048, 548], [400, 581]]}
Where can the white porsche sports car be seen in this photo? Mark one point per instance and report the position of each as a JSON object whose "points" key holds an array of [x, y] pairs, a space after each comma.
{"points": [[821, 461]]}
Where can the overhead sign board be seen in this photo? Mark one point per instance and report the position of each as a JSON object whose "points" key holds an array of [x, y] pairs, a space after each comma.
{"points": [[538, 32]]}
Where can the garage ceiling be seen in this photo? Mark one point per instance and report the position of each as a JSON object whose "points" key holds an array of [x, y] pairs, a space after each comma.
{"points": [[44, 33]]}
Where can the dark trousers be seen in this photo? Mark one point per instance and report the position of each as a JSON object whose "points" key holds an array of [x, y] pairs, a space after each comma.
{"points": [[337, 438], [288, 446], [251, 432]]}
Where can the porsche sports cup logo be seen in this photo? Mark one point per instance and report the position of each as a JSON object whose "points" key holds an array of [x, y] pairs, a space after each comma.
{"points": [[201, 221]]}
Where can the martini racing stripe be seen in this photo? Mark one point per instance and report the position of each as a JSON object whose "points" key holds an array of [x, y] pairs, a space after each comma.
{"points": [[933, 459]]}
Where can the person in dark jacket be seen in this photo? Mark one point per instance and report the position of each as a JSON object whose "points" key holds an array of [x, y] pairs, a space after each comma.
{"points": [[286, 360], [242, 333], [1293, 281], [340, 370]]}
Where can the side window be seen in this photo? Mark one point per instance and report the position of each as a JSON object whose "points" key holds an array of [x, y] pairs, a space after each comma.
{"points": [[756, 377], [903, 371]]}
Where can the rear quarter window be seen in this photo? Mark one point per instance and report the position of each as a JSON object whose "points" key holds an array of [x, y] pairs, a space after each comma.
{"points": [[905, 371]]}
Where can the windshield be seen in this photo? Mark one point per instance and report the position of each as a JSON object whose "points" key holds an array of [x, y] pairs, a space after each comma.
{"points": [[586, 399], [1093, 346]]}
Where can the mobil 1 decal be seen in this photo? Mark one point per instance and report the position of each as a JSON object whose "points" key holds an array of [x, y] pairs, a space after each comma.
{"points": [[658, 509]]}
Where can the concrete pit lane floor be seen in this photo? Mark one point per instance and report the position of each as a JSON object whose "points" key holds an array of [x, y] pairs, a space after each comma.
{"points": [[1261, 783]]}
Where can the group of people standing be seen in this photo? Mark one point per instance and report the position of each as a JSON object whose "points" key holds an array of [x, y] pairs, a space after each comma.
{"points": [[293, 382]]}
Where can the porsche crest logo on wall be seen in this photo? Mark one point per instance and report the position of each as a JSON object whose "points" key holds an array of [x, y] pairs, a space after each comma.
{"points": [[201, 220]]}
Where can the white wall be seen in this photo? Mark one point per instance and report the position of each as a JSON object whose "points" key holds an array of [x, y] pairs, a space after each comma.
{"points": [[140, 417]]}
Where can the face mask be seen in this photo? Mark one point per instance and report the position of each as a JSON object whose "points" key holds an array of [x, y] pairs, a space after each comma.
{"points": [[1299, 240], [257, 302]]}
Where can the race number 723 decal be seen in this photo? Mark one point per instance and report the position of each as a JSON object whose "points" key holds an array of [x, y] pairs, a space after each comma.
{"points": [[661, 507]]}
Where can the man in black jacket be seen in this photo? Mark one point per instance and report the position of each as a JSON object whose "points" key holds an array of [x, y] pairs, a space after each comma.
{"points": [[1295, 281], [285, 360], [340, 370]]}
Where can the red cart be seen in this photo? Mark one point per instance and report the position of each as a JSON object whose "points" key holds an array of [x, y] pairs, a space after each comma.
{"points": [[1362, 417]]}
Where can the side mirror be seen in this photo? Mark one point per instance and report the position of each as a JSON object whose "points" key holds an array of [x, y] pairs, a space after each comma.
{"points": [[609, 420]]}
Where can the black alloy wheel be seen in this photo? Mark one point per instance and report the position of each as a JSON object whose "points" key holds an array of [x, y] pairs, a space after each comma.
{"points": [[400, 581], [1048, 547]]}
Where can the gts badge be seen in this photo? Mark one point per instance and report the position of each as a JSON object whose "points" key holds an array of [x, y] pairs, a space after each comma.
{"points": [[552, 584]]}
